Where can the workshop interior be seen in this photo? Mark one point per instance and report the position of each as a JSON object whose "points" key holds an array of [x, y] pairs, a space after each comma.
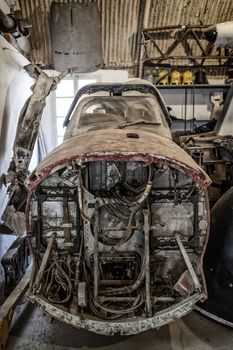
{"points": [[116, 174]]}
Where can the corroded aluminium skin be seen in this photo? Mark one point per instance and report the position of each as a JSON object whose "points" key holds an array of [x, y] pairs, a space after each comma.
{"points": [[25, 139], [129, 327], [94, 145], [132, 144]]}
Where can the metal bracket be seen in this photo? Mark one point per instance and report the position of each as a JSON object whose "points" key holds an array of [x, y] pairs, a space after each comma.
{"points": [[188, 263]]}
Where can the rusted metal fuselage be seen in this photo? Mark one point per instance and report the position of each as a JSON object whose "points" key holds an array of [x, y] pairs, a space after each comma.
{"points": [[118, 217]]}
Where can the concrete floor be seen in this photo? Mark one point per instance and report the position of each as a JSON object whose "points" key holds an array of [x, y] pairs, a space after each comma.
{"points": [[33, 330]]}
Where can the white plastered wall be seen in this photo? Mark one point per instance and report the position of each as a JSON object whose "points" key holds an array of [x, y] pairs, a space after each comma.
{"points": [[15, 86]]}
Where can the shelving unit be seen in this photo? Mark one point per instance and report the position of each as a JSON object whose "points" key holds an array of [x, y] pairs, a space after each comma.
{"points": [[191, 101]]}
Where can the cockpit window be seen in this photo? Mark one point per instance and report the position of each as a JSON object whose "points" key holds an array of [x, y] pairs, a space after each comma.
{"points": [[103, 112], [119, 110]]}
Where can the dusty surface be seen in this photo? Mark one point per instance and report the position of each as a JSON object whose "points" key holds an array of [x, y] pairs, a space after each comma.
{"points": [[118, 142], [33, 330]]}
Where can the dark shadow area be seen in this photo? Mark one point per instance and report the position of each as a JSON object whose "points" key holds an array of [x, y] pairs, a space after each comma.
{"points": [[208, 331]]}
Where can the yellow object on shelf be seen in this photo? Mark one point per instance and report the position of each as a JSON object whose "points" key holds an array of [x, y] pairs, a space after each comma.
{"points": [[175, 77], [163, 73], [187, 77]]}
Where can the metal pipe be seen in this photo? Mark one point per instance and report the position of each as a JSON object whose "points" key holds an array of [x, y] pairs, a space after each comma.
{"points": [[66, 221], [80, 199], [44, 263], [193, 95], [116, 282], [77, 218], [188, 262], [147, 189], [163, 299], [103, 299], [75, 301], [142, 7], [179, 26], [146, 228], [8, 22], [185, 110], [185, 57], [96, 253]]}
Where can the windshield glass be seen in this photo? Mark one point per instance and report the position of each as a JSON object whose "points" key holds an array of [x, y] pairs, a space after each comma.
{"points": [[100, 112], [118, 109]]}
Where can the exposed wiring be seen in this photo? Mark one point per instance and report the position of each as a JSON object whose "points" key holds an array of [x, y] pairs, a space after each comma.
{"points": [[139, 300], [57, 285]]}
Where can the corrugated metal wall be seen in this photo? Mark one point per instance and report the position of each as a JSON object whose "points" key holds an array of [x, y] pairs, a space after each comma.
{"points": [[120, 25], [119, 30], [185, 12], [174, 12], [37, 14]]}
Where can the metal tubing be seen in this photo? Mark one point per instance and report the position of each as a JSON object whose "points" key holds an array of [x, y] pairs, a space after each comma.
{"points": [[103, 299], [185, 110], [96, 254], [185, 57], [77, 219], [80, 201], [147, 260], [44, 262], [128, 299], [163, 299], [8, 22], [180, 26], [116, 282], [66, 222], [188, 262]]}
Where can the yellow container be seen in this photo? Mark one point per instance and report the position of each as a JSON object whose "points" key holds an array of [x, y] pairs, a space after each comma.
{"points": [[187, 77], [175, 77], [165, 80]]}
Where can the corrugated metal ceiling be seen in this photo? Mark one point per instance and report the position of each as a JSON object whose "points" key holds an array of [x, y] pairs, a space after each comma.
{"points": [[121, 29]]}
